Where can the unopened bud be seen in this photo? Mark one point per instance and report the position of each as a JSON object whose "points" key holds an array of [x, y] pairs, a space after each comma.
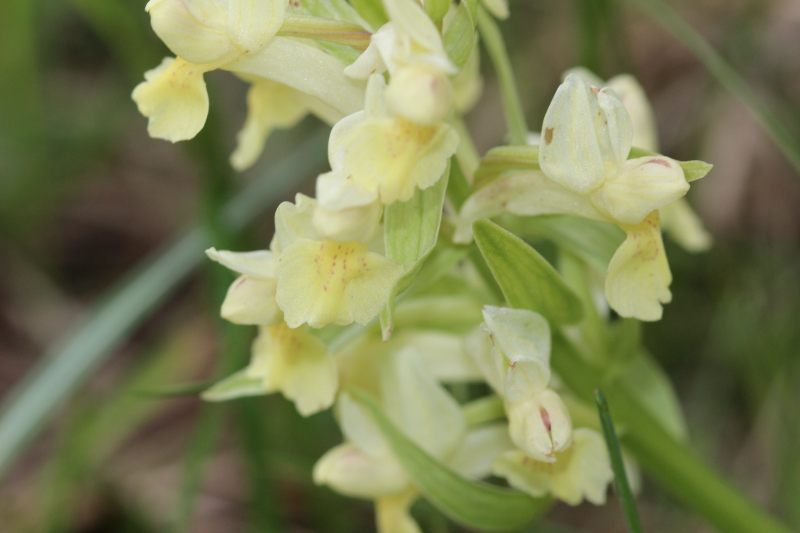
{"points": [[420, 95], [540, 427]]}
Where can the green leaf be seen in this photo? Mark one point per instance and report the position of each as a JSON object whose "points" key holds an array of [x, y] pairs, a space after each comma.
{"points": [[437, 9], [410, 232], [651, 386], [471, 503], [236, 385], [694, 170], [528, 281], [621, 479], [372, 11], [459, 38], [594, 242]]}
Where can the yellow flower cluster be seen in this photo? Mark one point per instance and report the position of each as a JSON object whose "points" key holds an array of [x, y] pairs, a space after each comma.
{"points": [[392, 110]]}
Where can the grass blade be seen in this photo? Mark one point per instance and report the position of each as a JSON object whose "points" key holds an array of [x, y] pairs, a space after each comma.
{"points": [[621, 479], [68, 363], [725, 75]]}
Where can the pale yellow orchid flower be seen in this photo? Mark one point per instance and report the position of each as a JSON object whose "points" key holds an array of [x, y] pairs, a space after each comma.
{"points": [[388, 155], [513, 351], [582, 471], [586, 172], [678, 219], [272, 105], [251, 298], [297, 364], [322, 281], [411, 49], [364, 466]]}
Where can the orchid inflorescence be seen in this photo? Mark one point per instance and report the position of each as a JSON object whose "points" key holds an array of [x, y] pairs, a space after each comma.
{"points": [[377, 286]]}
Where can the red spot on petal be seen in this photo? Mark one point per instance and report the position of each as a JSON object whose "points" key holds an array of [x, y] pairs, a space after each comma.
{"points": [[545, 418]]}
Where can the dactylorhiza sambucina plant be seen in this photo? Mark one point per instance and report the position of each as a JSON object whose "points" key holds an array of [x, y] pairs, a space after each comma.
{"points": [[390, 289]]}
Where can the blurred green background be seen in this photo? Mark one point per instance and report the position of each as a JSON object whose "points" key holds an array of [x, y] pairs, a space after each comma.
{"points": [[87, 198]]}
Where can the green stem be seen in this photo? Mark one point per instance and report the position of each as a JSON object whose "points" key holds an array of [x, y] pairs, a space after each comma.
{"points": [[466, 153], [482, 410], [668, 461], [725, 74], [493, 41]]}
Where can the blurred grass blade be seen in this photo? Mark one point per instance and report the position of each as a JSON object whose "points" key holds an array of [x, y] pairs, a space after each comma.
{"points": [[725, 75], [621, 479], [472, 503], [68, 363]]}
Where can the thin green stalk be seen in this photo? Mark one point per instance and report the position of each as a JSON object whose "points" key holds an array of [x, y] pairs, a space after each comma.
{"points": [[466, 153], [725, 75], [482, 410], [70, 361], [621, 478], [493, 41]]}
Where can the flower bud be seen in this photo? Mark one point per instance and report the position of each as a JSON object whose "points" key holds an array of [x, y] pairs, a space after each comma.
{"points": [[420, 95], [521, 350], [541, 426], [205, 31], [586, 136], [348, 470]]}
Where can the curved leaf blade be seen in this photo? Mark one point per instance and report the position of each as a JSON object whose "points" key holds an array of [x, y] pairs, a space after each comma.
{"points": [[527, 280]]}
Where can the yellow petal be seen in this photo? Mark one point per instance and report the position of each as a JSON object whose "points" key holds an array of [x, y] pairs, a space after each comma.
{"points": [[419, 405], [644, 185], [192, 29], [581, 471], [412, 23], [349, 471], [352, 224], [251, 301], [252, 23], [257, 264], [684, 226], [293, 222], [296, 363], [392, 513], [480, 448], [329, 282], [370, 62], [392, 156], [586, 136], [638, 276], [270, 105], [174, 99]]}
